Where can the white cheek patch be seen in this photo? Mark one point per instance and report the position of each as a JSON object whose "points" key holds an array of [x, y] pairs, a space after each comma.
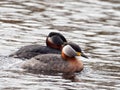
{"points": [[50, 40], [69, 51]]}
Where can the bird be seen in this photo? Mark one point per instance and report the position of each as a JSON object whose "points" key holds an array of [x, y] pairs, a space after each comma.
{"points": [[54, 43], [66, 62]]}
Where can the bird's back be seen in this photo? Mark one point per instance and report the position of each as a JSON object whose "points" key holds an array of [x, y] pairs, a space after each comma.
{"points": [[47, 63], [30, 51]]}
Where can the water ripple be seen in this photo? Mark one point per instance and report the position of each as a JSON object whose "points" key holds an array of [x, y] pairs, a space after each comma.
{"points": [[94, 25]]}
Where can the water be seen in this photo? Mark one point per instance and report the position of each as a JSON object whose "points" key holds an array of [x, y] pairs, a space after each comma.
{"points": [[93, 24]]}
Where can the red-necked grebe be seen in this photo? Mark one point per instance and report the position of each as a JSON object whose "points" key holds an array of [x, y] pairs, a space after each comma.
{"points": [[54, 44], [64, 63]]}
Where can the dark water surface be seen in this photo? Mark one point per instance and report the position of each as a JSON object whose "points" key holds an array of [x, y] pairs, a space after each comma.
{"points": [[93, 24]]}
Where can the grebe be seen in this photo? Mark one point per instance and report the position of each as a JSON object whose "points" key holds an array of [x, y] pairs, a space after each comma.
{"points": [[54, 42], [50, 63]]}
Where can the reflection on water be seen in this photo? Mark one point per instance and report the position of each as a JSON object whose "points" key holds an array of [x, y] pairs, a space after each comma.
{"points": [[94, 25]]}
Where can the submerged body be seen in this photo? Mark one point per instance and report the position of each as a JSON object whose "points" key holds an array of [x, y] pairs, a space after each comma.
{"points": [[52, 63], [30, 51]]}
